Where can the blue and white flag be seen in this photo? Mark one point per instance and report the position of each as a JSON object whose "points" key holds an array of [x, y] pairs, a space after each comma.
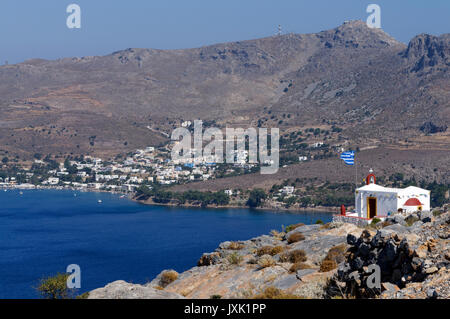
{"points": [[348, 157]]}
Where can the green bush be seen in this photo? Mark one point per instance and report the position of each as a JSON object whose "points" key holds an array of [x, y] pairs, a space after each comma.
{"points": [[55, 287], [256, 197], [375, 221]]}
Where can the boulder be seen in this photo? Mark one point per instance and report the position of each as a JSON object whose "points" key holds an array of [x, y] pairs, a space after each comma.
{"points": [[209, 259], [399, 219], [389, 287], [425, 215], [124, 290], [351, 239], [303, 272]]}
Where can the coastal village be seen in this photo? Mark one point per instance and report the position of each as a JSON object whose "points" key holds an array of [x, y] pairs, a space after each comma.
{"points": [[152, 168], [144, 167]]}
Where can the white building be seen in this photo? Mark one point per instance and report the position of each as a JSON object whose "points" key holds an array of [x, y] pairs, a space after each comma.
{"points": [[373, 200], [288, 190]]}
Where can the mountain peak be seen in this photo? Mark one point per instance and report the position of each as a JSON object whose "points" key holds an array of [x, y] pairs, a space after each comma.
{"points": [[357, 34], [428, 51]]}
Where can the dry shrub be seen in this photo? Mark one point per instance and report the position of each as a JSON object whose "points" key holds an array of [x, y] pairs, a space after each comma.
{"points": [[327, 265], [337, 253], [326, 226], [269, 250], [295, 238], [266, 261], [168, 277], [264, 250], [294, 256], [386, 223], [274, 293], [276, 250], [293, 226], [234, 245], [299, 266], [277, 234], [234, 258]]}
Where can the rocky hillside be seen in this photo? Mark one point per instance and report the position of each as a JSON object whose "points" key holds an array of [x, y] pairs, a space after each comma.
{"points": [[315, 261], [358, 78]]}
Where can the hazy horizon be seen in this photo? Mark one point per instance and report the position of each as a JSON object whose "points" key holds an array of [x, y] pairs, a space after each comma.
{"points": [[38, 29]]}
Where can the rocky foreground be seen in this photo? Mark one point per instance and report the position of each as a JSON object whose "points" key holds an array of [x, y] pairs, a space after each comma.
{"points": [[315, 261]]}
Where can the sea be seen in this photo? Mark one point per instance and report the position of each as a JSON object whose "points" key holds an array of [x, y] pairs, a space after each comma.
{"points": [[111, 237]]}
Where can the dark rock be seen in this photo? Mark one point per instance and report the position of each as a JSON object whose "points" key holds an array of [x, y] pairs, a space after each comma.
{"points": [[396, 275], [351, 239], [426, 220], [425, 214], [357, 263], [416, 263], [432, 293], [364, 250], [208, 259]]}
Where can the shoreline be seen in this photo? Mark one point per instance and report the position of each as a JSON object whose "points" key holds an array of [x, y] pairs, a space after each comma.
{"points": [[318, 209], [131, 196]]}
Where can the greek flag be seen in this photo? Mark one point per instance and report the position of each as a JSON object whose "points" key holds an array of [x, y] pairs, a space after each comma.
{"points": [[348, 157]]}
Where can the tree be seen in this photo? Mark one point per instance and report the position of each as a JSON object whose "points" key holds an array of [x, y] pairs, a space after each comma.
{"points": [[55, 287], [5, 160], [256, 197]]}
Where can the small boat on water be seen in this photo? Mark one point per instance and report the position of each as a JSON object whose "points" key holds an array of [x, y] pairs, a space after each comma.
{"points": [[21, 193], [100, 201]]}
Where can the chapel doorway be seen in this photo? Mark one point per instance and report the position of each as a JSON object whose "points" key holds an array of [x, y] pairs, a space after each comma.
{"points": [[371, 207]]}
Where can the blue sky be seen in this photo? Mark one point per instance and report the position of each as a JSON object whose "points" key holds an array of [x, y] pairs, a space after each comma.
{"points": [[37, 28]]}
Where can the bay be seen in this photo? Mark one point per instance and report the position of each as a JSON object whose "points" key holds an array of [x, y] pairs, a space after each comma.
{"points": [[44, 231]]}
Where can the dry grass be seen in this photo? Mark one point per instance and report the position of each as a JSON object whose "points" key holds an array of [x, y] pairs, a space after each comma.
{"points": [[234, 245], [274, 293], [168, 277], [325, 226], [294, 256], [277, 234], [266, 261], [334, 256], [299, 266], [234, 258], [295, 238], [337, 253], [327, 265], [269, 250]]}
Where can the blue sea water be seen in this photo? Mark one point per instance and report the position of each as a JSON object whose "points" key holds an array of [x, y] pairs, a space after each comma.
{"points": [[44, 231]]}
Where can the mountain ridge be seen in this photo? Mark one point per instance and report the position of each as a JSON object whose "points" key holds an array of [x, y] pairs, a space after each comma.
{"points": [[342, 76]]}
